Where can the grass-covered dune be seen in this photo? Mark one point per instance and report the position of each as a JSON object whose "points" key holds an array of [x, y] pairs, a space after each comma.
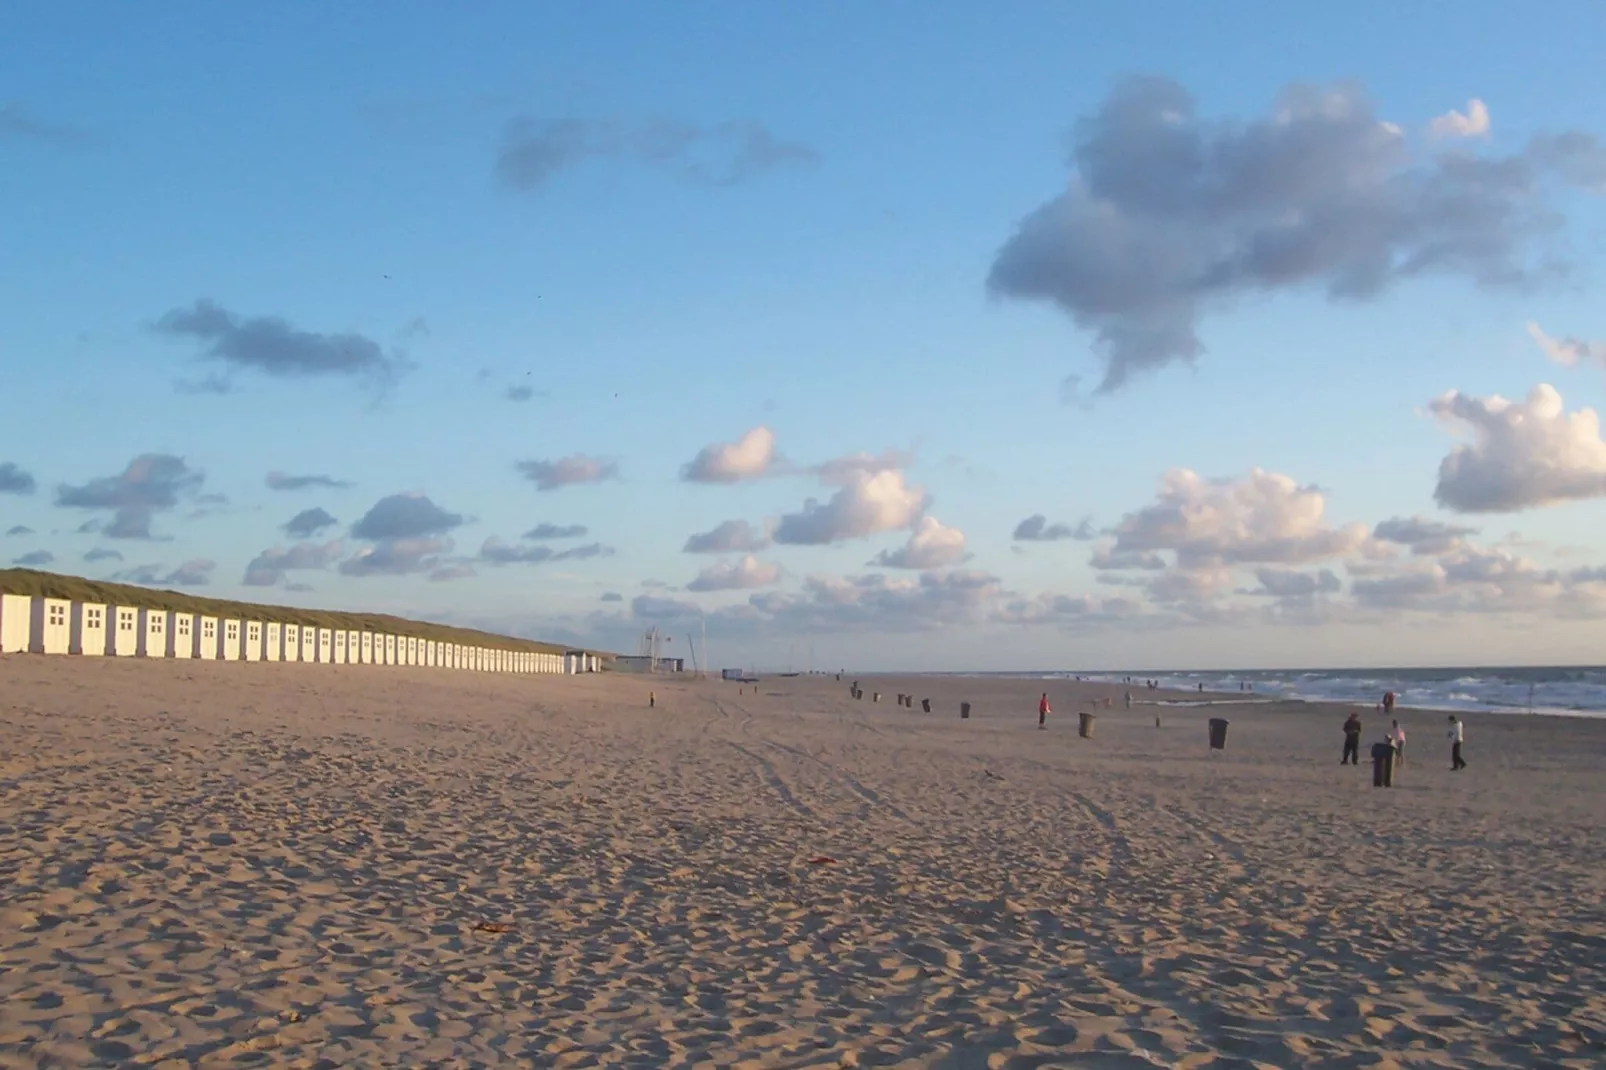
{"points": [[77, 589]]}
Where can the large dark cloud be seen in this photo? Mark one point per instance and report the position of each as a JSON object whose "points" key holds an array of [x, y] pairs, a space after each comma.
{"points": [[13, 480], [270, 345], [309, 522], [1168, 216], [404, 516], [534, 151], [280, 481], [568, 471], [35, 558], [152, 483]]}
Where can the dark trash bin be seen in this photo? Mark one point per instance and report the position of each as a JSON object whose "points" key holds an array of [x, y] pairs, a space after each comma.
{"points": [[1085, 728], [1218, 733], [964, 710], [925, 704], [1382, 765]]}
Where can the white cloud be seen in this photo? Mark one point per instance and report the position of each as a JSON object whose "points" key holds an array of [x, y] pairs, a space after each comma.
{"points": [[869, 502], [1068, 611], [1568, 352], [739, 575], [877, 603], [1265, 518], [841, 470], [749, 457], [1522, 454], [1474, 122], [730, 536], [932, 544], [573, 470], [1422, 535]]}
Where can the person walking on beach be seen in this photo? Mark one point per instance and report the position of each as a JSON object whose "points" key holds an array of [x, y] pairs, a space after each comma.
{"points": [[1458, 736], [1042, 711], [1388, 704], [1352, 741], [1397, 737]]}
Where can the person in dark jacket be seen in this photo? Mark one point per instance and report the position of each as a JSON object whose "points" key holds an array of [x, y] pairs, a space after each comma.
{"points": [[1352, 741]]}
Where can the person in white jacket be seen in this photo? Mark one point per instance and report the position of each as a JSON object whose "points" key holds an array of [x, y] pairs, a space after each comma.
{"points": [[1458, 736]]}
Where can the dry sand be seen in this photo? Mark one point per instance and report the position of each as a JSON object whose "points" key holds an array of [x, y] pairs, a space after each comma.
{"points": [[300, 865]]}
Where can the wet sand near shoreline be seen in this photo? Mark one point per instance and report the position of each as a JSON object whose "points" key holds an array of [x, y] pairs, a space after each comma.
{"points": [[302, 865]]}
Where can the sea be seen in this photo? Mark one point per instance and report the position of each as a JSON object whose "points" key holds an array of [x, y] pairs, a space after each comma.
{"points": [[1578, 691]]}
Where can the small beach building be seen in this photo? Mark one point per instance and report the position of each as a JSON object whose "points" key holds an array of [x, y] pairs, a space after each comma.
{"points": [[88, 629], [206, 643], [124, 640], [353, 647], [52, 626], [181, 635], [231, 641], [339, 653], [16, 623], [252, 648], [387, 644], [367, 648], [153, 633], [292, 642], [326, 646], [411, 656], [272, 640], [309, 643]]}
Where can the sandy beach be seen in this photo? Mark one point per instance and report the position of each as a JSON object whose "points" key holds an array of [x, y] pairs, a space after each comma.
{"points": [[232, 864]]}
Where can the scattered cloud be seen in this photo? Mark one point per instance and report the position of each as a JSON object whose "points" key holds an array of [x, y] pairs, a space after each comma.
{"points": [[1475, 579], [448, 573], [272, 346], [404, 516], [308, 523], [1291, 584], [876, 603], [869, 502], [729, 537], [1067, 611], [741, 574], [280, 481], [19, 529], [19, 124], [544, 531], [534, 151], [13, 480], [214, 385], [1523, 454], [397, 557], [194, 573], [1423, 536], [101, 553], [1036, 528], [1169, 216], [496, 552], [152, 483], [749, 457], [842, 470], [519, 393], [269, 568], [567, 471], [931, 544], [612, 596], [1569, 352], [1474, 122], [35, 558]]}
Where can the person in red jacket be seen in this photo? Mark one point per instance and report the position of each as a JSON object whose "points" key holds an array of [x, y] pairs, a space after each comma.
{"points": [[1042, 711]]}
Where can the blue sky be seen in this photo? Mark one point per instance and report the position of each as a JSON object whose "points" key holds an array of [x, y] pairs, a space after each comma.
{"points": [[675, 225]]}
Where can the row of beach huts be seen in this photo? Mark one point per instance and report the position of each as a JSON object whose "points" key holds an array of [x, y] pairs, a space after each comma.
{"points": [[30, 624]]}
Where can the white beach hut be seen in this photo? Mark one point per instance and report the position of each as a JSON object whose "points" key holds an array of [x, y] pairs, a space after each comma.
{"points": [[153, 633], [88, 629], [206, 642], [272, 640], [52, 626], [353, 647], [309, 643], [390, 650], [123, 642], [339, 657], [231, 640], [427, 653], [16, 622], [412, 650], [292, 642], [367, 646], [326, 646], [252, 648], [181, 635]]}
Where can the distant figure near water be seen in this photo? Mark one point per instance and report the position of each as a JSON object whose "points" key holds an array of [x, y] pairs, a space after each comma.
{"points": [[1388, 704], [1458, 736], [1042, 711]]}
